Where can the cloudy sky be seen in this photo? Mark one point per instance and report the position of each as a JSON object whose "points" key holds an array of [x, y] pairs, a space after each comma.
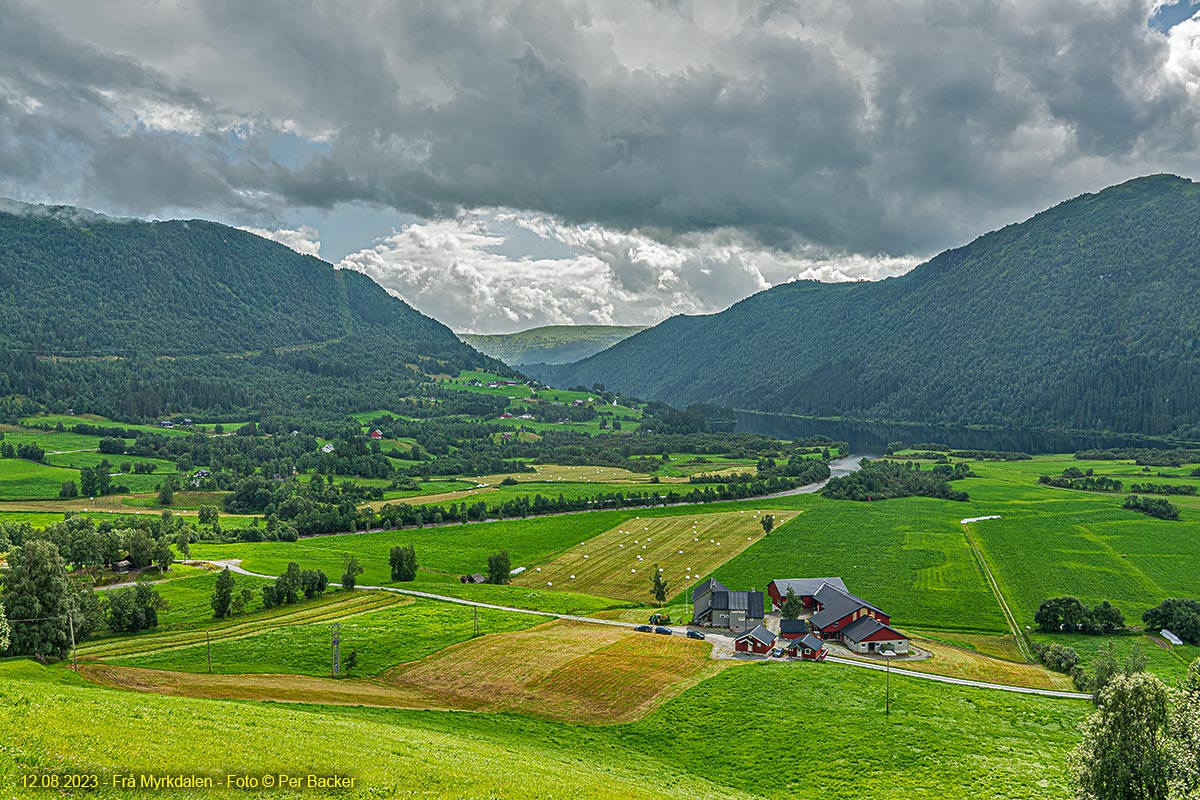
{"points": [[521, 162]]}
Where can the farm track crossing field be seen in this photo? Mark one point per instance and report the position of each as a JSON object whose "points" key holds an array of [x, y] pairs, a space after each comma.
{"points": [[620, 562]]}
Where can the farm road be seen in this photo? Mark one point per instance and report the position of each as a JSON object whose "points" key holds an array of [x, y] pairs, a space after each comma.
{"points": [[235, 566]]}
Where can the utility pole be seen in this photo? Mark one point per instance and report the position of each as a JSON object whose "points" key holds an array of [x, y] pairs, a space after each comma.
{"points": [[476, 620], [336, 643], [208, 640]]}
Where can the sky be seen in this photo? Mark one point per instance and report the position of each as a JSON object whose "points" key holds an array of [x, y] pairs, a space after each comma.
{"points": [[501, 165]]}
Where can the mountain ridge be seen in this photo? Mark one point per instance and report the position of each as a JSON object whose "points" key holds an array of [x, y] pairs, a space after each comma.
{"points": [[1076, 317]]}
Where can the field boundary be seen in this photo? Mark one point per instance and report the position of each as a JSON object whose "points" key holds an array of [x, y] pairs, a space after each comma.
{"points": [[1022, 645]]}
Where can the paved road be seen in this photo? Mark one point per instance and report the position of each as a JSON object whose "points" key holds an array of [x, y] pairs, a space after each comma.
{"points": [[837, 468], [235, 566]]}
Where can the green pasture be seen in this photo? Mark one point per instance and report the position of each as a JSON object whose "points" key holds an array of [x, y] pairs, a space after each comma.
{"points": [[95, 458], [1169, 663], [26, 480], [908, 556], [50, 441], [383, 638]]}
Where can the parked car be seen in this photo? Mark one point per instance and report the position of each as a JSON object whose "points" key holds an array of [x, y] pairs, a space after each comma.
{"points": [[662, 630], [695, 635], [643, 629], [777, 653], [660, 619]]}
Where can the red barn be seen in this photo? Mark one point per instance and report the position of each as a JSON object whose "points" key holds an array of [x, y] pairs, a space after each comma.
{"points": [[792, 629], [377, 435], [867, 635], [804, 589], [760, 640], [837, 609]]}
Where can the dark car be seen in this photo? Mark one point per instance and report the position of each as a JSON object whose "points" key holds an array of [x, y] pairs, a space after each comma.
{"points": [[695, 635], [643, 629], [662, 630]]}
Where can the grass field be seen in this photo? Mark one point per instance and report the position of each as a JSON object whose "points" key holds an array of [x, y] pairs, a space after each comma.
{"points": [[52, 724], [26, 480], [619, 562], [908, 556], [384, 632], [712, 740]]}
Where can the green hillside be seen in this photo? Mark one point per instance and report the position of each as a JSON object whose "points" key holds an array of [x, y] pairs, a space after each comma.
{"points": [[135, 319], [552, 344], [1081, 317]]}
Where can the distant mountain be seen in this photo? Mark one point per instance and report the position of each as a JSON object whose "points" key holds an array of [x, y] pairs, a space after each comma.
{"points": [[136, 319], [1084, 317], [551, 344]]}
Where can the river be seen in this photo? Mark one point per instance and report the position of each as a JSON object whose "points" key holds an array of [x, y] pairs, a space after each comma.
{"points": [[872, 439]]}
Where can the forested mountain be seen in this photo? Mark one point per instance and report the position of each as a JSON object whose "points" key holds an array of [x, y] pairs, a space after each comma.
{"points": [[135, 319], [550, 344], [1085, 316]]}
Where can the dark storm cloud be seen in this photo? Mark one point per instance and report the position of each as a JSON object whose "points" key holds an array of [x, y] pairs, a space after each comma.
{"points": [[858, 126]]}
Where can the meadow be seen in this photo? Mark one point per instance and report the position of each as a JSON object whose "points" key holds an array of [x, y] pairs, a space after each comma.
{"points": [[939, 741], [26, 480], [620, 562]]}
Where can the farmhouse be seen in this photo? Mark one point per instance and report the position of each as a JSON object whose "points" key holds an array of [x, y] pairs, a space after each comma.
{"points": [[804, 589], [759, 640], [808, 647], [376, 435], [475, 578], [869, 635], [717, 606], [327, 448]]}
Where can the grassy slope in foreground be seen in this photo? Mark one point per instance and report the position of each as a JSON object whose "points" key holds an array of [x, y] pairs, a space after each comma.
{"points": [[736, 730]]}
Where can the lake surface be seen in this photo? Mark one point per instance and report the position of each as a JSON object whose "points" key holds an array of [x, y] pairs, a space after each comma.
{"points": [[873, 438]]}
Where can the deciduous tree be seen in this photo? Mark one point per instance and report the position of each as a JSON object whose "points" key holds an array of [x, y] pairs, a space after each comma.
{"points": [[36, 592], [658, 585], [222, 597], [498, 567]]}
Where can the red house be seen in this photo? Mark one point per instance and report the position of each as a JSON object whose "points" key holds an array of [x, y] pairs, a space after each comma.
{"points": [[760, 640], [804, 588], [837, 610], [377, 435], [808, 647]]}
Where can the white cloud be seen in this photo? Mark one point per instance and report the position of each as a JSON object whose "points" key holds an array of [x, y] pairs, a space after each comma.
{"points": [[451, 270], [304, 240]]}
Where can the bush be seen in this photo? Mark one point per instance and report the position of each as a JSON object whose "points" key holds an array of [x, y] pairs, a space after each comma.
{"points": [[1060, 658]]}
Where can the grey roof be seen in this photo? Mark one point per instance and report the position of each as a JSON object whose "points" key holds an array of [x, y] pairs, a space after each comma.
{"points": [[726, 600], [806, 586], [710, 585], [836, 604], [807, 640], [759, 634], [792, 626], [863, 627]]}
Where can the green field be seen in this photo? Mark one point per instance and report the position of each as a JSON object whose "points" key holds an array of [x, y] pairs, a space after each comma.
{"points": [[384, 637], [26, 480], [940, 741]]}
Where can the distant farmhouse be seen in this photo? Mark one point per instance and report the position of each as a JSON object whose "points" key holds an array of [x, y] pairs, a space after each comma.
{"points": [[836, 615], [718, 606]]}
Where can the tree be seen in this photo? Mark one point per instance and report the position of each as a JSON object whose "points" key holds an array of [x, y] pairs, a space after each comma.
{"points": [[5, 631], [793, 606], [1060, 614], [498, 567], [1179, 615], [1183, 737], [403, 560], [658, 586], [350, 575], [183, 541], [140, 548], [222, 596], [350, 661], [133, 610], [164, 556], [1124, 755], [768, 523], [68, 490], [208, 515], [36, 591], [241, 600], [166, 492]]}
